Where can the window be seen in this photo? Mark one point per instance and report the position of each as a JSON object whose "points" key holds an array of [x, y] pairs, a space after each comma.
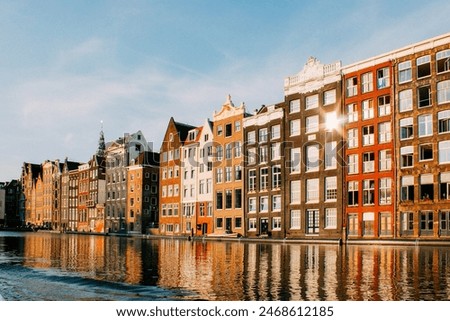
{"points": [[368, 135], [426, 222], [426, 187], [252, 180], [219, 130], [444, 121], [329, 97], [351, 85], [366, 82], [423, 66], [238, 172], [228, 151], [295, 192], [219, 175], [276, 223], [385, 196], [407, 222], [237, 149], [385, 224], [275, 132], [424, 96], [407, 188], [406, 128], [353, 163], [219, 222], [331, 188], [406, 156], [312, 190], [264, 179], [425, 152], [219, 200], [312, 102], [252, 224], [251, 157], [295, 219], [295, 127], [444, 186], [275, 151], [443, 61], [252, 204], [294, 106], [368, 162], [228, 130], [405, 100], [295, 160], [444, 152], [385, 160], [384, 132], [237, 126], [228, 199], [383, 78], [263, 154], [352, 138], [368, 223], [312, 124], [312, 158], [330, 155], [353, 193], [352, 224], [262, 135], [352, 113], [404, 72], [276, 203], [238, 198], [369, 192], [276, 176], [331, 121], [312, 221], [384, 105], [444, 222], [228, 174], [251, 137], [331, 218], [219, 153], [443, 92], [263, 204], [367, 109]]}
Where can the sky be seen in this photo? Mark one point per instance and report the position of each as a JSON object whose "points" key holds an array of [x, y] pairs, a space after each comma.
{"points": [[67, 68]]}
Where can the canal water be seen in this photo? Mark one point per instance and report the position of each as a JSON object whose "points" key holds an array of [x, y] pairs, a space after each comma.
{"points": [[45, 266]]}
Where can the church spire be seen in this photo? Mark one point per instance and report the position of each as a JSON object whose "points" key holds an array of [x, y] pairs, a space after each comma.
{"points": [[101, 143]]}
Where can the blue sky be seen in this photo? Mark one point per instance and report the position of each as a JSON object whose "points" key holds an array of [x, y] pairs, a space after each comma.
{"points": [[65, 66]]}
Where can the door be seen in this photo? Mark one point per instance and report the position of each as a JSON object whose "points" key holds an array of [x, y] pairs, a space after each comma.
{"points": [[228, 225], [264, 225]]}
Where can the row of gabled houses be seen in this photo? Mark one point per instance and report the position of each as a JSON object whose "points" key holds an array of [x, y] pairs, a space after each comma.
{"points": [[352, 152]]}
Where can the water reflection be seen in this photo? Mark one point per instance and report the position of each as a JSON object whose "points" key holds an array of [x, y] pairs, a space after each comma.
{"points": [[240, 271]]}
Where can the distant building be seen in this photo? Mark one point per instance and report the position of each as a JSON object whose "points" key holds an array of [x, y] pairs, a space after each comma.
{"points": [[142, 193], [119, 155], [170, 221], [69, 196]]}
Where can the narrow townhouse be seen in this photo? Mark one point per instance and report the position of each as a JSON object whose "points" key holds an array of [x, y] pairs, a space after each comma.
{"points": [[369, 190], [228, 164], [422, 97], [142, 194], [29, 175], [68, 197], [170, 182], [190, 182], [313, 136], [205, 222], [119, 154], [264, 173]]}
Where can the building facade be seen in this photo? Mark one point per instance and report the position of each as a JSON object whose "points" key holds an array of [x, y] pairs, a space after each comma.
{"points": [[170, 182], [368, 131], [313, 136], [228, 166], [422, 119], [264, 173]]}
